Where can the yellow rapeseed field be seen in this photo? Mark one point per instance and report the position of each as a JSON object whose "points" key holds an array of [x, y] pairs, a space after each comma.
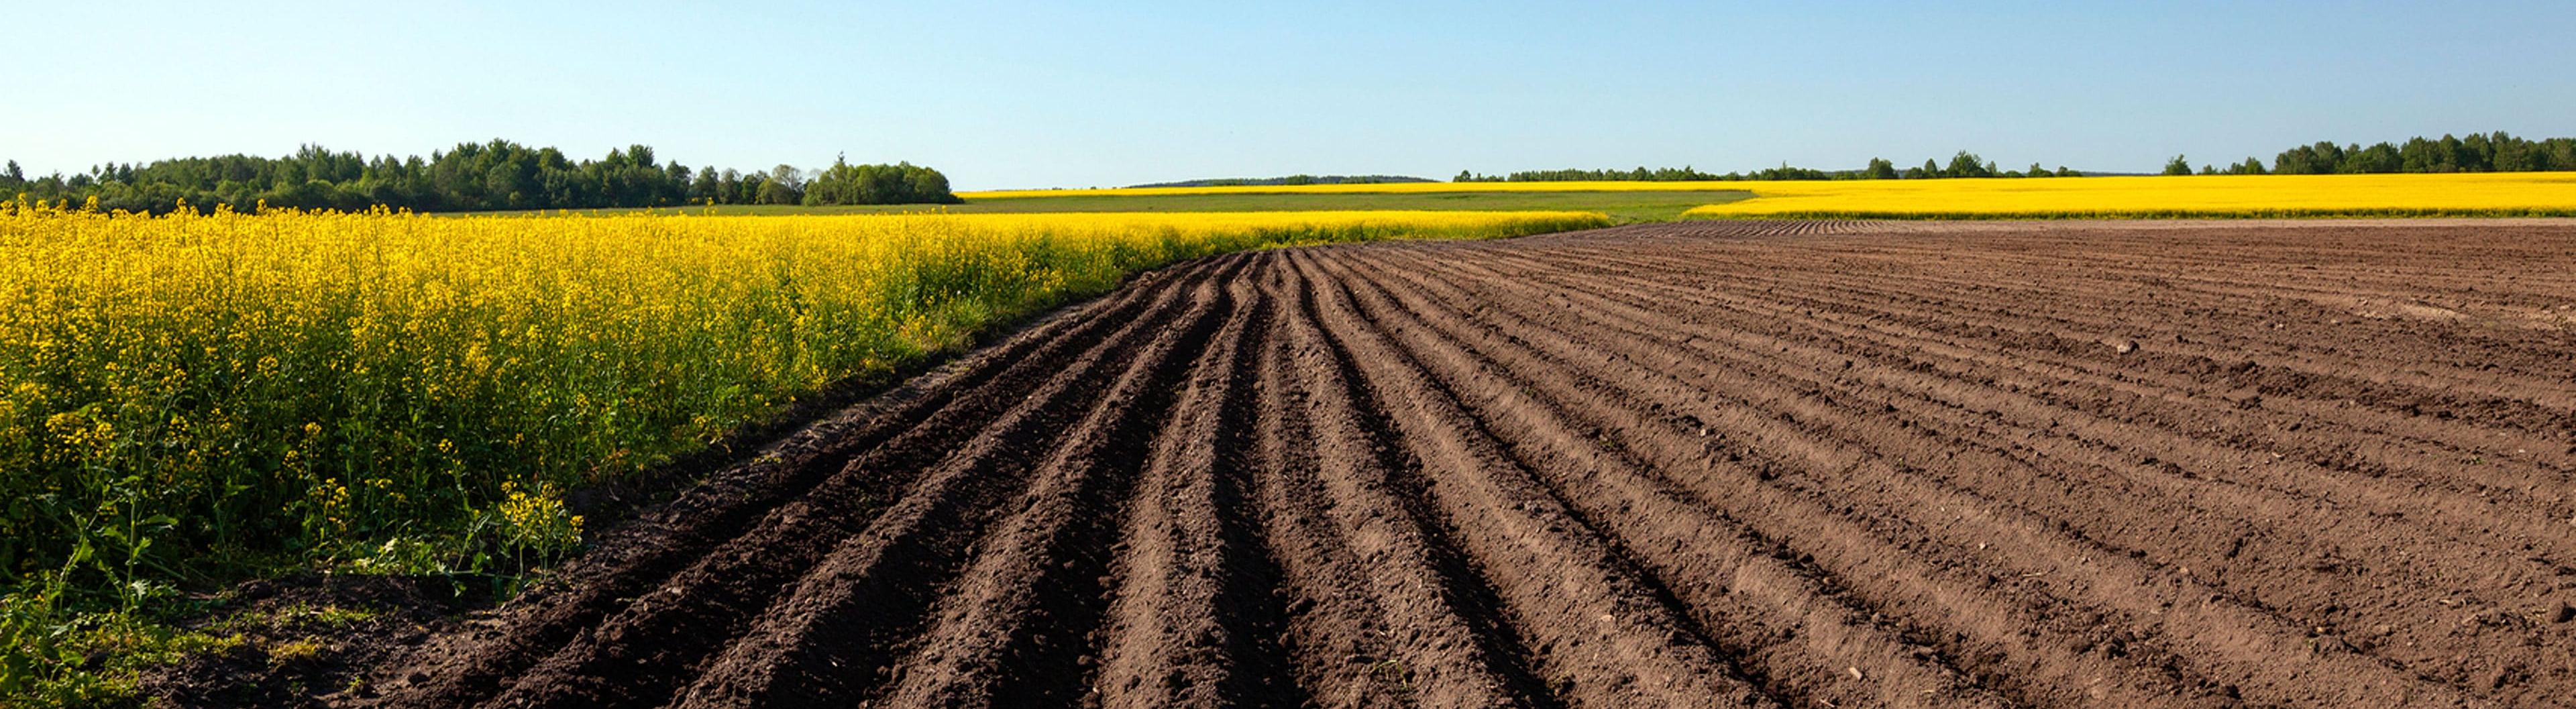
{"points": [[416, 394], [2458, 194]]}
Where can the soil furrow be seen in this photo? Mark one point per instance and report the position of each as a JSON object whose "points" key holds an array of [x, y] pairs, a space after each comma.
{"points": [[836, 631], [2485, 516], [1712, 565], [1603, 638], [1791, 463], [2251, 323], [1196, 594], [1387, 615], [2296, 571], [2286, 332], [1012, 629], [1842, 463], [462, 668], [2065, 388], [2018, 647]]}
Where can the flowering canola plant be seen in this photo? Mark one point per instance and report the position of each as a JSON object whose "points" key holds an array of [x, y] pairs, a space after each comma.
{"points": [[2221, 196], [179, 393]]}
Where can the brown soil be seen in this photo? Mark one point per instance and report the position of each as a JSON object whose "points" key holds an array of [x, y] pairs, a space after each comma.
{"points": [[297, 641], [1806, 464]]}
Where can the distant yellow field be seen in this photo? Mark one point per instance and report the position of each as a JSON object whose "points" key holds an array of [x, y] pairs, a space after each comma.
{"points": [[1390, 188], [2473, 194], [2468, 194]]}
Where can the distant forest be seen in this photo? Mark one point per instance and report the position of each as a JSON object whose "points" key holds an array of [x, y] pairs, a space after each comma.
{"points": [[2491, 152], [1290, 180], [499, 175]]}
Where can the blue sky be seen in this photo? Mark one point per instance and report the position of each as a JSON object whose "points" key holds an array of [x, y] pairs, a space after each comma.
{"points": [[1049, 94]]}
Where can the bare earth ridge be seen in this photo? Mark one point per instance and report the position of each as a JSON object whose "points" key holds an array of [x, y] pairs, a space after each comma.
{"points": [[1795, 464]]}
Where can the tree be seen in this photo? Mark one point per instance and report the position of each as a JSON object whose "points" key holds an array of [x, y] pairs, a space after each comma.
{"points": [[900, 183], [2513, 154], [2178, 166], [928, 185], [1967, 164], [1879, 169], [2376, 159], [2420, 155], [505, 187], [2475, 153], [783, 186], [706, 187], [675, 181], [729, 187], [1931, 168], [639, 156], [14, 175], [2035, 171]]}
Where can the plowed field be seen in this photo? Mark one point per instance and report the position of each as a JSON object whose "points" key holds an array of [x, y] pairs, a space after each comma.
{"points": [[1806, 464]]}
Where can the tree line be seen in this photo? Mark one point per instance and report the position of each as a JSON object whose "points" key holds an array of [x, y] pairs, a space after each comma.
{"points": [[499, 175], [1641, 174], [2492, 152]]}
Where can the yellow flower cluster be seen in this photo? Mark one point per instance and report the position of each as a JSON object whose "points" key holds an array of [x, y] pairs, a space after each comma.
{"points": [[537, 520], [2457, 194], [288, 381]]}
